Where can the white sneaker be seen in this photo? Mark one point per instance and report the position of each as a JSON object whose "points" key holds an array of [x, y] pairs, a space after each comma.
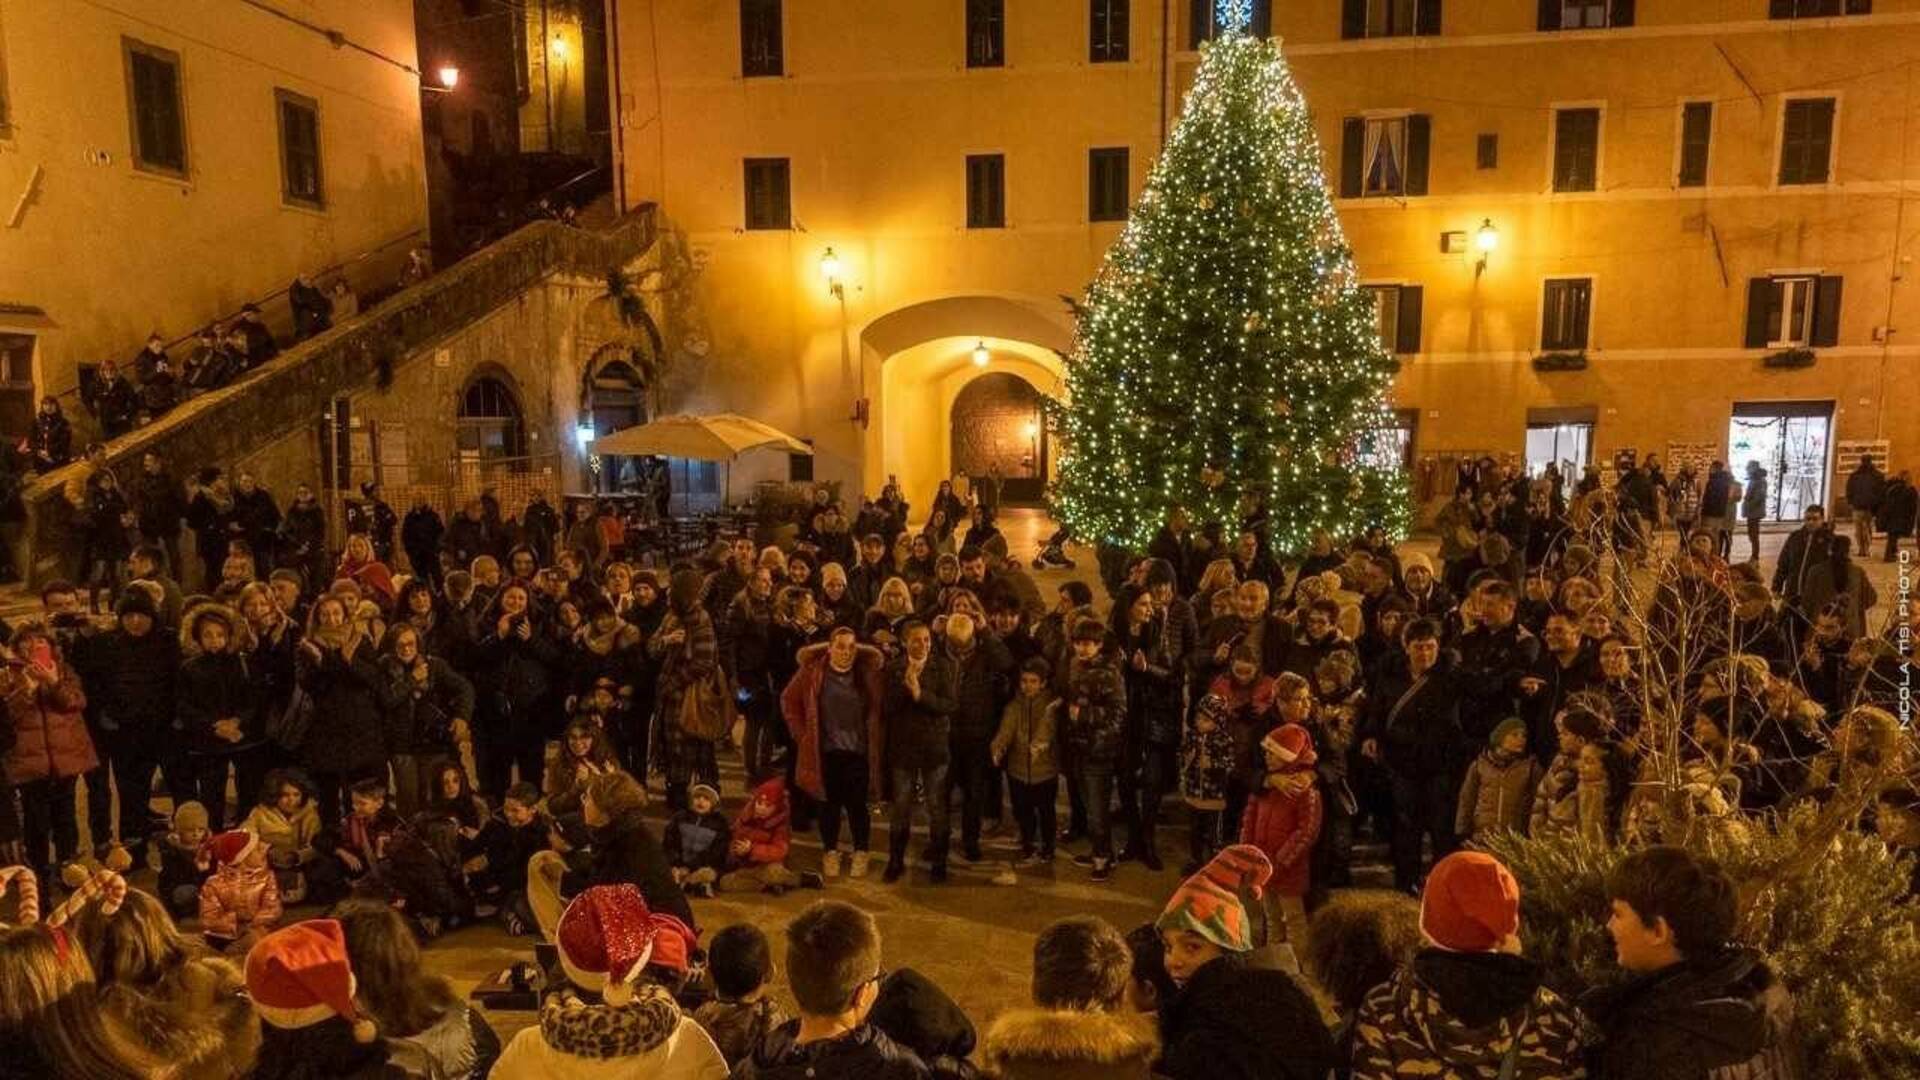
{"points": [[830, 864], [859, 868]]}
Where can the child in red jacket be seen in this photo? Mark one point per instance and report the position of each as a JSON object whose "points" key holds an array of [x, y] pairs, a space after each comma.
{"points": [[757, 852], [1282, 819]]}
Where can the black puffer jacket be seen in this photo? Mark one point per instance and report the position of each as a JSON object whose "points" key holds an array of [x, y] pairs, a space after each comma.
{"points": [[130, 681], [348, 732], [977, 691], [1725, 1010], [917, 730], [918, 1015], [1095, 713], [1233, 1022], [862, 1054], [214, 686]]}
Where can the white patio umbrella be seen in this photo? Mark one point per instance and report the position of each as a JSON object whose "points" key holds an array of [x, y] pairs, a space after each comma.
{"points": [[720, 437]]}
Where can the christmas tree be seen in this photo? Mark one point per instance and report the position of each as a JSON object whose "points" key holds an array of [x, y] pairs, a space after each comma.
{"points": [[1226, 345]]}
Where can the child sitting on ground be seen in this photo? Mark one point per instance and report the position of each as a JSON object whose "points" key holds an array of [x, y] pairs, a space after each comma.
{"points": [[287, 823], [757, 848], [742, 1011], [696, 841], [1498, 793], [1282, 819], [241, 900], [517, 834], [186, 860], [1206, 756], [365, 833]]}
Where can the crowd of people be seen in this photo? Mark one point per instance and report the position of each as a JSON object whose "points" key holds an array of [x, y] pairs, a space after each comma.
{"points": [[1275, 709]]}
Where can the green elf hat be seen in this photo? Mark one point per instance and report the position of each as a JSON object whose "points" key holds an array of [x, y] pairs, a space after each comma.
{"points": [[1209, 904]]}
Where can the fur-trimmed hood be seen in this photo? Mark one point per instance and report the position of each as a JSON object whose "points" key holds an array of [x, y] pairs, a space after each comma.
{"points": [[239, 632], [197, 1019], [1066, 1045]]}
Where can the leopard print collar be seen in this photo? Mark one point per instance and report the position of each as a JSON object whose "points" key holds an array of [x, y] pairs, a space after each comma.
{"points": [[603, 1032]]}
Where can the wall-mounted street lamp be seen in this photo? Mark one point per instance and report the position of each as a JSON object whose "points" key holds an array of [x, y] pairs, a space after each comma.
{"points": [[446, 76], [1485, 240], [981, 354], [830, 269]]}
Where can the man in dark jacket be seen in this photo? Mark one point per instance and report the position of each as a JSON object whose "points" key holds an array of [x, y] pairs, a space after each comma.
{"points": [[420, 535], [1495, 656], [865, 577], [1753, 507], [259, 345], [981, 665], [918, 712], [1413, 727], [1899, 507], [129, 674], [1174, 545], [112, 400], [1866, 485], [1805, 546], [159, 506], [1569, 664], [256, 519], [833, 969], [1696, 1002]]}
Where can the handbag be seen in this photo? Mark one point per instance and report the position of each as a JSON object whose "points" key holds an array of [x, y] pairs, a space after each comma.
{"points": [[288, 728], [706, 709]]}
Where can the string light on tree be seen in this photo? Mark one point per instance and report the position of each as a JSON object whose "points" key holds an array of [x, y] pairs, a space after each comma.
{"points": [[1226, 345]]}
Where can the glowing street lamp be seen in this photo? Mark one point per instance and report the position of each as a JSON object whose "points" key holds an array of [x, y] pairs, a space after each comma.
{"points": [[449, 76], [981, 354], [1486, 240], [830, 269]]}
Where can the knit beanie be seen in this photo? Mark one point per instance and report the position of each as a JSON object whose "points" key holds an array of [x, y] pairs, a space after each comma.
{"points": [[1471, 903], [1209, 904], [137, 602], [189, 815], [299, 976], [698, 790], [1504, 728], [1292, 745], [232, 848], [1160, 572], [1415, 560]]}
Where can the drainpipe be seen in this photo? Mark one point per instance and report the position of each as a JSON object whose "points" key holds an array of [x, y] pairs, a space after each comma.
{"points": [[1166, 63], [619, 121]]}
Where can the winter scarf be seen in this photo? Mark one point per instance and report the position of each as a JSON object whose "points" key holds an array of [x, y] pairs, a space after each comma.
{"points": [[606, 1032]]}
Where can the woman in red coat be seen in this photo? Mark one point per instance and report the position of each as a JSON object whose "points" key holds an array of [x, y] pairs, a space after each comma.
{"points": [[359, 565], [48, 744], [832, 708]]}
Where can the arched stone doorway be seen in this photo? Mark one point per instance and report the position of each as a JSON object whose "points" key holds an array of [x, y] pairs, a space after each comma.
{"points": [[614, 398], [996, 429], [920, 359]]}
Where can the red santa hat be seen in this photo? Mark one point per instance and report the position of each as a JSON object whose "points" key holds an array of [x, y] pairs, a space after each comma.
{"points": [[1292, 745], [607, 936], [299, 976], [232, 848]]}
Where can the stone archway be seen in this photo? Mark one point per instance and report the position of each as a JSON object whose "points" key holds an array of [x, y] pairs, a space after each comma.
{"points": [[920, 359], [995, 429]]}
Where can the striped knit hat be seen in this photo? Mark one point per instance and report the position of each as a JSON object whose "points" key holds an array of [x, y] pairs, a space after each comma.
{"points": [[1209, 903]]}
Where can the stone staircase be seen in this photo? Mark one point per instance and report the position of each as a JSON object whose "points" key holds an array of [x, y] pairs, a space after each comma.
{"points": [[296, 387]]}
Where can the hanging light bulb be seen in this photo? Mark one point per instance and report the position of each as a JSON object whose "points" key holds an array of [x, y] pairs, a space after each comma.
{"points": [[981, 354]]}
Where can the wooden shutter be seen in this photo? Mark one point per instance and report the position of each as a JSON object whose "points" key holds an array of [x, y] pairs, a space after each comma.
{"points": [[1780, 9], [1859, 7], [1353, 19], [1759, 296], [1200, 24], [1262, 25], [1582, 301], [1549, 14], [1826, 312], [1426, 17], [1407, 329], [1353, 144], [1620, 13], [1419, 140]]}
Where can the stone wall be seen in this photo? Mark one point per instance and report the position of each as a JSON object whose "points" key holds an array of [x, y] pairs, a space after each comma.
{"points": [[990, 419], [513, 308]]}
